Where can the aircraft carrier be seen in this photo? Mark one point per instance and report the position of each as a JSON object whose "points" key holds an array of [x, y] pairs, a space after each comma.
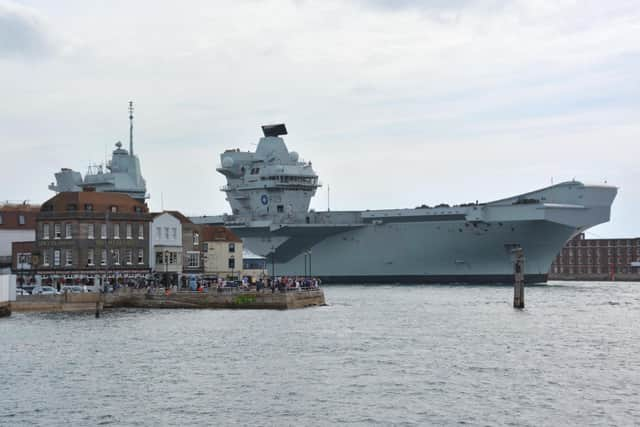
{"points": [[269, 191]]}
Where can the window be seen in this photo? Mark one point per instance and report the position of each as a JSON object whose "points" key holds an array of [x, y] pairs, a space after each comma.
{"points": [[196, 238], [116, 231], [68, 258], [57, 233], [280, 208], [1, 220], [21, 220], [45, 231], [159, 258], [174, 233], [232, 263], [129, 256], [140, 256], [173, 258], [158, 233], [56, 257], [205, 247], [193, 259], [103, 257], [129, 231], [166, 233], [116, 256], [45, 257], [72, 207], [67, 231], [103, 231], [88, 207], [140, 231], [232, 247], [90, 258], [137, 209], [90, 234], [113, 209]]}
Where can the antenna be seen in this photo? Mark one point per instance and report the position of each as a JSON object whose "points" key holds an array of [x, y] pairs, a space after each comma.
{"points": [[131, 128]]}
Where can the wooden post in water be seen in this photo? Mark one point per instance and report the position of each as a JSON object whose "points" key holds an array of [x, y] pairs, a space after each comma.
{"points": [[518, 284]]}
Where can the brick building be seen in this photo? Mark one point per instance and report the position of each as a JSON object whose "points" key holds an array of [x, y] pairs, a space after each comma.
{"points": [[17, 224], [85, 236], [598, 259]]}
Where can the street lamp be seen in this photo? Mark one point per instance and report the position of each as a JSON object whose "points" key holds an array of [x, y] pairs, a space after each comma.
{"points": [[273, 263], [309, 254], [166, 268], [305, 264]]}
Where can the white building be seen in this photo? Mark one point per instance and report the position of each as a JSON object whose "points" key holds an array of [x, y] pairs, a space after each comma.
{"points": [[165, 248]]}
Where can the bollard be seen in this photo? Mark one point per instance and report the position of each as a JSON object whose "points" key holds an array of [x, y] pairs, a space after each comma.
{"points": [[518, 284]]}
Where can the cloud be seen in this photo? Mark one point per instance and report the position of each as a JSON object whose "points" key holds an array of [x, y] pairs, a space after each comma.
{"points": [[23, 33]]}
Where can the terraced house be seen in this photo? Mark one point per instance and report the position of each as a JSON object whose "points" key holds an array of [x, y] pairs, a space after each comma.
{"points": [[87, 236]]}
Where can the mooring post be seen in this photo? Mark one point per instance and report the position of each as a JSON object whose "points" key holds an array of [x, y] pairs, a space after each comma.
{"points": [[518, 284]]}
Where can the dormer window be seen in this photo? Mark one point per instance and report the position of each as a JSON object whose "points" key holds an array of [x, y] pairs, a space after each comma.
{"points": [[113, 208], [72, 207], [137, 209], [88, 207]]}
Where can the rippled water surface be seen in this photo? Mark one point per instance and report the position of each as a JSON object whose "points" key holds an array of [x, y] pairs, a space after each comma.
{"points": [[402, 355]]}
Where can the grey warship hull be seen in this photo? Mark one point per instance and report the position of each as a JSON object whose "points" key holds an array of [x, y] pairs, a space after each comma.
{"points": [[269, 193]]}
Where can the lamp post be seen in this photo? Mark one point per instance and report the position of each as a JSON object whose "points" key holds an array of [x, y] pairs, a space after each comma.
{"points": [[273, 263], [166, 268], [309, 254], [305, 264]]}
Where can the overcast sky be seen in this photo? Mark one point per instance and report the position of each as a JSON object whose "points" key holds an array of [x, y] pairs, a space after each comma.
{"points": [[396, 103]]}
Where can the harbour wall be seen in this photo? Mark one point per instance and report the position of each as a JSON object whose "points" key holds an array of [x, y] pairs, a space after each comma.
{"points": [[5, 309], [132, 298], [619, 277]]}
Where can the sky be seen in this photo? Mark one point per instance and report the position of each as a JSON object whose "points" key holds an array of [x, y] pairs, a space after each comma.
{"points": [[396, 103]]}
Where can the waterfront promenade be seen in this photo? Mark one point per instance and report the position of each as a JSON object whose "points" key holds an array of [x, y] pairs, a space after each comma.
{"points": [[224, 298]]}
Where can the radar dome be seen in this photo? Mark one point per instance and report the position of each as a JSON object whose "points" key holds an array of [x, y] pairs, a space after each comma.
{"points": [[227, 162], [294, 156]]}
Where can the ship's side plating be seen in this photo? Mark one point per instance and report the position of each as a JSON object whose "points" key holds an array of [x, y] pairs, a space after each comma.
{"points": [[269, 192]]}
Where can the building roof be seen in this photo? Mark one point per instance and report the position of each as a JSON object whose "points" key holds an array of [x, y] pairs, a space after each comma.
{"points": [[100, 201], [183, 219], [217, 233]]}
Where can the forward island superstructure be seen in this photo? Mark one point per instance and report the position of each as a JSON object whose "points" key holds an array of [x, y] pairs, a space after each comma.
{"points": [[270, 190]]}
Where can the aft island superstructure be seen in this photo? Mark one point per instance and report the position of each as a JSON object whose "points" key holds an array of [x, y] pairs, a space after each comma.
{"points": [[121, 175], [269, 191]]}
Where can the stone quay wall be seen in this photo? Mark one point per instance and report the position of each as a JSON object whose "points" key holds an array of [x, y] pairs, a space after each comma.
{"points": [[134, 298], [5, 309]]}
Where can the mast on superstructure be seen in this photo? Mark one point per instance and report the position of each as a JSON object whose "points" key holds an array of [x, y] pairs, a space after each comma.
{"points": [[131, 128]]}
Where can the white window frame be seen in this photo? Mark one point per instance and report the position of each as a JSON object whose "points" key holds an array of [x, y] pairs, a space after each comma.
{"points": [[140, 256], [45, 257], [141, 231], [56, 257], [68, 258], [129, 231], [68, 230], [193, 259], [116, 257], [103, 231], [57, 231], [91, 231], [21, 219], [45, 231], [129, 257], [90, 257], [103, 257], [116, 231]]}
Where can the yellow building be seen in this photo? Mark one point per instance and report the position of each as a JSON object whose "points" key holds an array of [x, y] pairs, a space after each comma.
{"points": [[222, 252]]}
